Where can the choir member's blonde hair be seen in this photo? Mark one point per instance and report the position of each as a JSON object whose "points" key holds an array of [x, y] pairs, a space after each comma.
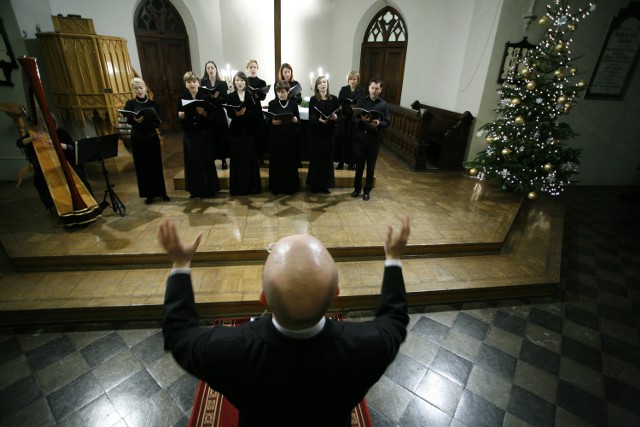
{"points": [[189, 76], [353, 74], [249, 62], [137, 81]]}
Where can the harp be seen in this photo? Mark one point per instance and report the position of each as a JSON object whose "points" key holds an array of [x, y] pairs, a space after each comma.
{"points": [[74, 204]]}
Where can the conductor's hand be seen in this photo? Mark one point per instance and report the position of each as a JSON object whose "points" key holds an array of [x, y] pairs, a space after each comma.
{"points": [[394, 245], [179, 252]]}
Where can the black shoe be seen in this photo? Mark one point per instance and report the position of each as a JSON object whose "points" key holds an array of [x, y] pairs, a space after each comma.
{"points": [[166, 198], [224, 165], [355, 193], [326, 191], [148, 200], [365, 197]]}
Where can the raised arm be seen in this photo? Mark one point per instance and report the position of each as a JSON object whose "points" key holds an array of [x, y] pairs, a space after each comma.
{"points": [[179, 253]]}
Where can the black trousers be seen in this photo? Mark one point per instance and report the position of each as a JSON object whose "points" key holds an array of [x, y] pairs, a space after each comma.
{"points": [[366, 147]]}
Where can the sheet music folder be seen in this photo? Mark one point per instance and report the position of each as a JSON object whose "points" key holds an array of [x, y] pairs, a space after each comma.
{"points": [[95, 148]]}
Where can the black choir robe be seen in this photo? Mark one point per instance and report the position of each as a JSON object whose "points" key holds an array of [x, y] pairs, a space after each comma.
{"points": [[244, 170], [321, 176], [201, 177], [283, 158]]}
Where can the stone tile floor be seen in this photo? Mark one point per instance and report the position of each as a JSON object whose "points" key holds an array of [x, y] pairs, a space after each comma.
{"points": [[569, 359]]}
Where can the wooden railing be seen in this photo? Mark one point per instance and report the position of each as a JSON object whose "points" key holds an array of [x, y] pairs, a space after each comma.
{"points": [[427, 137]]}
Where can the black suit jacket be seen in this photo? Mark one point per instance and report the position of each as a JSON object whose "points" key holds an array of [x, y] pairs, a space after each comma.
{"points": [[276, 380]]}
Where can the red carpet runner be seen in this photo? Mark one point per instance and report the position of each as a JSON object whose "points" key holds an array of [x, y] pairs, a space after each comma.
{"points": [[211, 409]]}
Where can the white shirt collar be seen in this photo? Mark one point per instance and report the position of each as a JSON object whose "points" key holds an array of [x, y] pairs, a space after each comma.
{"points": [[300, 333]]}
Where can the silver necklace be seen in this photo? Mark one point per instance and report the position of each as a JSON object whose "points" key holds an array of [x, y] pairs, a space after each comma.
{"points": [[146, 98], [285, 104]]}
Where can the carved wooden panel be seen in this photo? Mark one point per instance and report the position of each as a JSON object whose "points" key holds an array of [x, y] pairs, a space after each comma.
{"points": [[89, 75]]}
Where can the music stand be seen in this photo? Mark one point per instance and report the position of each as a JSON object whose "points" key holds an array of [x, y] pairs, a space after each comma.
{"points": [[100, 148]]}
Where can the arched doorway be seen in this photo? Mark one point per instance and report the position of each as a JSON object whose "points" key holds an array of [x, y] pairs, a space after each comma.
{"points": [[383, 53], [163, 48]]}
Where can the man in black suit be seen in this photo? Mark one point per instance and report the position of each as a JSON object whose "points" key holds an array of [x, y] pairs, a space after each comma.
{"points": [[295, 366], [369, 127]]}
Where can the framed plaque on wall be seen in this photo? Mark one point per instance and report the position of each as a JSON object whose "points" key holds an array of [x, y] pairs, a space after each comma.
{"points": [[618, 57], [513, 53]]}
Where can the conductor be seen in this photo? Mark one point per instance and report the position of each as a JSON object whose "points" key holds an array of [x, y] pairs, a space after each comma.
{"points": [[294, 366]]}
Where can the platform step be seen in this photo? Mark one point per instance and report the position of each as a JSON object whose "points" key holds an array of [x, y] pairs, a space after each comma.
{"points": [[344, 178]]}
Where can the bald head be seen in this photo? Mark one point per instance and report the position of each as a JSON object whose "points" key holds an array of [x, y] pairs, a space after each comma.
{"points": [[299, 281]]}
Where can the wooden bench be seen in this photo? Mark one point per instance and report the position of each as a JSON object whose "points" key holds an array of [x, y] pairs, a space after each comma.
{"points": [[427, 137]]}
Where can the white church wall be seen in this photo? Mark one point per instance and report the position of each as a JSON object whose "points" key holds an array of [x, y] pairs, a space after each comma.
{"points": [[454, 52]]}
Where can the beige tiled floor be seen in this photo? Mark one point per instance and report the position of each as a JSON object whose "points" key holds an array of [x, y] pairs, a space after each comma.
{"points": [[455, 221]]}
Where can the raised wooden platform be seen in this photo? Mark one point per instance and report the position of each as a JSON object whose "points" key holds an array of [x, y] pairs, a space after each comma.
{"points": [[344, 178], [469, 241]]}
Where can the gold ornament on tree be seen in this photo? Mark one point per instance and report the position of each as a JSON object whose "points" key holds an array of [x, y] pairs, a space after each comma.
{"points": [[572, 26], [558, 73], [506, 151], [532, 195], [561, 99], [473, 171], [573, 71], [581, 83], [548, 167], [525, 71], [559, 47], [489, 139], [515, 101], [543, 21], [519, 120], [531, 85]]}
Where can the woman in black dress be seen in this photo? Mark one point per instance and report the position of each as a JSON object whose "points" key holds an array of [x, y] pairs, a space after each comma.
{"points": [[195, 113], [286, 73], [323, 109], [283, 160], [217, 90], [348, 97], [256, 88], [145, 143], [244, 112]]}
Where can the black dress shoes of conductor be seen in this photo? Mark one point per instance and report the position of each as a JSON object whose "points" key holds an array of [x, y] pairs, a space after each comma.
{"points": [[356, 193], [365, 197]]}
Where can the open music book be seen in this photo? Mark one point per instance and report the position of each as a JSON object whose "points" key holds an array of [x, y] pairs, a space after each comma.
{"points": [[149, 113], [189, 105], [263, 90], [278, 116], [294, 90], [375, 115], [234, 107], [326, 116], [211, 91]]}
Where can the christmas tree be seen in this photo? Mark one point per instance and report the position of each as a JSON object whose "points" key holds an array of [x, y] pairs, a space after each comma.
{"points": [[528, 149]]}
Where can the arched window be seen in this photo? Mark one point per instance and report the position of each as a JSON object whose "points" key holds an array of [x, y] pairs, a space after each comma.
{"points": [[163, 48], [383, 53], [386, 27]]}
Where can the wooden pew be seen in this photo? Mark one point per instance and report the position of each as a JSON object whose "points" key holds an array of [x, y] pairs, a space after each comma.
{"points": [[407, 136], [448, 136], [427, 137]]}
